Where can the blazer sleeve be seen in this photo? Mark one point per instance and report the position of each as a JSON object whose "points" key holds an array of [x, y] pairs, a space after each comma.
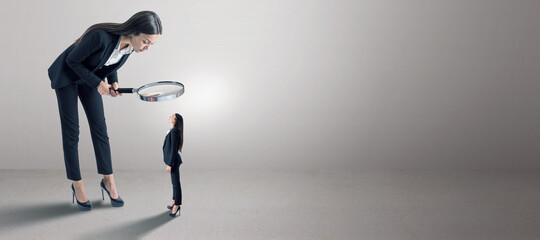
{"points": [[173, 148], [112, 77], [90, 43]]}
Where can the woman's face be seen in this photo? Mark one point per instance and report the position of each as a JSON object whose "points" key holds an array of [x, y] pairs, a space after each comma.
{"points": [[142, 42], [172, 119]]}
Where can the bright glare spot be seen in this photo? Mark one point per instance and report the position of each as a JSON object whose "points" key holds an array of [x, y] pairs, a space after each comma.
{"points": [[207, 94]]}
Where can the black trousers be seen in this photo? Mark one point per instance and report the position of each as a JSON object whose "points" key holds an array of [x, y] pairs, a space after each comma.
{"points": [[69, 118], [177, 189]]}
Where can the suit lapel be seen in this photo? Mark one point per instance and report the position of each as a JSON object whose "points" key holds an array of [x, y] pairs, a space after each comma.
{"points": [[108, 51], [166, 139]]}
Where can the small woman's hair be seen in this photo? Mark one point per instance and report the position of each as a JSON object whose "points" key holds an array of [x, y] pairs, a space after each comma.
{"points": [[146, 22], [179, 124]]}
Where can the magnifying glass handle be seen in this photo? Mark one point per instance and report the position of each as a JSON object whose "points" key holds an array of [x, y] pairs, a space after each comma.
{"points": [[125, 90]]}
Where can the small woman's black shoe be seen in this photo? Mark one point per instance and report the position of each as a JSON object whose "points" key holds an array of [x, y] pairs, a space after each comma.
{"points": [[169, 207], [85, 206], [119, 202], [174, 214]]}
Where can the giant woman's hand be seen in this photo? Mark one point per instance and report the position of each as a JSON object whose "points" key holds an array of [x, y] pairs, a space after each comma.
{"points": [[103, 88], [113, 91]]}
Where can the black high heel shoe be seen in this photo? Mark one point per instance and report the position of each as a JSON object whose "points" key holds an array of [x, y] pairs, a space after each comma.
{"points": [[85, 206], [177, 212], [119, 202], [170, 207]]}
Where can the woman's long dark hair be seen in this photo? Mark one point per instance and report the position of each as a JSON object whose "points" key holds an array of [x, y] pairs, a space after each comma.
{"points": [[179, 124], [146, 22]]}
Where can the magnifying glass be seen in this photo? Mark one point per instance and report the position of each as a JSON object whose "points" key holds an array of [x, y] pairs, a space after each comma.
{"points": [[157, 91]]}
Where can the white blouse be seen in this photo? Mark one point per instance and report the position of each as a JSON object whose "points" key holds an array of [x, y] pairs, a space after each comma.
{"points": [[117, 53]]}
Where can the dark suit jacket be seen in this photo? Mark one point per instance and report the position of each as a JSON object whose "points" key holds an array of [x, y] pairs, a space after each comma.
{"points": [[171, 156], [84, 62]]}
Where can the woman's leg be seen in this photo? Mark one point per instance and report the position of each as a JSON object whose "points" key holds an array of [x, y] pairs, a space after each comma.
{"points": [[69, 120], [177, 189], [93, 106]]}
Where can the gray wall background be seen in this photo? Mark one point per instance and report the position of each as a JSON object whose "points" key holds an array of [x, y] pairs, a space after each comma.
{"points": [[417, 84]]}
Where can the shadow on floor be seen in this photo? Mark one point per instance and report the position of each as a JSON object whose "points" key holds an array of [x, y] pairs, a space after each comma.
{"points": [[24, 215], [131, 230]]}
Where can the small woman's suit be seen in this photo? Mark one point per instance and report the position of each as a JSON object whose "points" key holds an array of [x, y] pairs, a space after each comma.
{"points": [[172, 158], [77, 73]]}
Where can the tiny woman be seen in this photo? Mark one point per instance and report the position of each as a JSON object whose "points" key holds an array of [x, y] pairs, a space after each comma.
{"points": [[171, 146], [79, 73]]}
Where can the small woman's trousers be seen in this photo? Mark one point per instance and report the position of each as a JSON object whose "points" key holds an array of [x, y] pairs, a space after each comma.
{"points": [[177, 189]]}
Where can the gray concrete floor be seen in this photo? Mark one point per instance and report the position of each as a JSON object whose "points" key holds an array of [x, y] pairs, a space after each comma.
{"points": [[227, 204]]}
